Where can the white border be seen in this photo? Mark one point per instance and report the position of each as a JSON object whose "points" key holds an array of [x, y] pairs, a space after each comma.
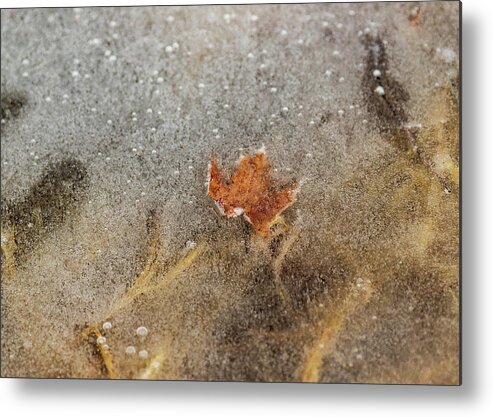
{"points": [[107, 398]]}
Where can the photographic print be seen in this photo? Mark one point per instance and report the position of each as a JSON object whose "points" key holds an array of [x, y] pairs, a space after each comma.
{"points": [[260, 193]]}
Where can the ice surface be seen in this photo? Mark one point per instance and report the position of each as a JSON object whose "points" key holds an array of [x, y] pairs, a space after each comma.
{"points": [[109, 119]]}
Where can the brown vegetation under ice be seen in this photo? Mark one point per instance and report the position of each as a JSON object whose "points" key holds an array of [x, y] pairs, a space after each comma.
{"points": [[357, 281]]}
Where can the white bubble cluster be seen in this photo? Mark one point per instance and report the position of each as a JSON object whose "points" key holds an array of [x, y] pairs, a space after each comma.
{"points": [[107, 325], [130, 350], [101, 340], [380, 90], [142, 331]]}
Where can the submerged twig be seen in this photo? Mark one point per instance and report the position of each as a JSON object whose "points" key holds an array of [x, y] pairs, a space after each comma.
{"points": [[279, 260], [153, 277], [105, 354]]}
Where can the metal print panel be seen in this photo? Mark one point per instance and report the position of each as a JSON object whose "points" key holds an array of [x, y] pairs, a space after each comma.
{"points": [[232, 193]]}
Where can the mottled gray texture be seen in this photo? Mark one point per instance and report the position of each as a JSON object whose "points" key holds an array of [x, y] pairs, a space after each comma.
{"points": [[134, 100]]}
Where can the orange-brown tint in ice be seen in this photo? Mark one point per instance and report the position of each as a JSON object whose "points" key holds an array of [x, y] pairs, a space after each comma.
{"points": [[250, 191]]}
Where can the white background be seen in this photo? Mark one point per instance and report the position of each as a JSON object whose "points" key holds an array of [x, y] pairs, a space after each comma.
{"points": [[139, 398]]}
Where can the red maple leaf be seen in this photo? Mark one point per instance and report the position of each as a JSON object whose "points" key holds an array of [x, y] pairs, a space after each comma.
{"points": [[250, 191]]}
